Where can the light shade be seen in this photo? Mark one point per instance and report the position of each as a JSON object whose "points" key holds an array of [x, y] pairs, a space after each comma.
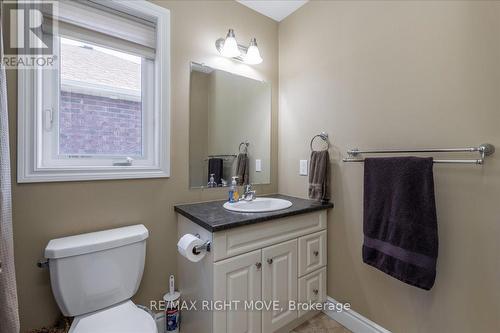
{"points": [[230, 47], [253, 55]]}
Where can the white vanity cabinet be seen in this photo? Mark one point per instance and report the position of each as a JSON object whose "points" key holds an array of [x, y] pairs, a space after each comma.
{"points": [[265, 264]]}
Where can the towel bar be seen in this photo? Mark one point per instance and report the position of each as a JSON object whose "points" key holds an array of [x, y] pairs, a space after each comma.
{"points": [[484, 150], [225, 157]]}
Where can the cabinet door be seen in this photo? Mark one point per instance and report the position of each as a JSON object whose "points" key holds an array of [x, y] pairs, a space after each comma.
{"points": [[279, 283], [238, 279]]}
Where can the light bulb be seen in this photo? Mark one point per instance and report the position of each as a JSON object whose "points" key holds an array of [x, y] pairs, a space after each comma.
{"points": [[253, 55], [230, 47]]}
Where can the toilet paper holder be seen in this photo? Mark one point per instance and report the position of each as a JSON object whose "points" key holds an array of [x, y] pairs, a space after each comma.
{"points": [[205, 246]]}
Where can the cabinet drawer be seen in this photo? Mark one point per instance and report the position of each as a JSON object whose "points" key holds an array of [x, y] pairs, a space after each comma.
{"points": [[312, 252], [312, 288], [232, 242]]}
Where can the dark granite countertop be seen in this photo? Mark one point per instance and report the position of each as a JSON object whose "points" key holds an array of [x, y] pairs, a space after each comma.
{"points": [[213, 217]]}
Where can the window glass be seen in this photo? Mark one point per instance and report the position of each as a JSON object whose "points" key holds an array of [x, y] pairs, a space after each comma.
{"points": [[100, 101]]}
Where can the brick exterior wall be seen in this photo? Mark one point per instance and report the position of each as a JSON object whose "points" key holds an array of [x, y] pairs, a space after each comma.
{"points": [[99, 125]]}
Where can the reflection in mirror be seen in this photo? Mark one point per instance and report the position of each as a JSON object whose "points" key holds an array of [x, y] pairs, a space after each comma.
{"points": [[229, 130]]}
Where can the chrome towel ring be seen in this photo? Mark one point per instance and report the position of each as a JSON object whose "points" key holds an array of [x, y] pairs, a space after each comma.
{"points": [[324, 137]]}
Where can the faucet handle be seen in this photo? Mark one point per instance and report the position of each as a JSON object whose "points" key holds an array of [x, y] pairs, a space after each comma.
{"points": [[248, 194]]}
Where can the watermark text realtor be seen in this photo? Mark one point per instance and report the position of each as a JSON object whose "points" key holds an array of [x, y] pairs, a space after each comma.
{"points": [[30, 32]]}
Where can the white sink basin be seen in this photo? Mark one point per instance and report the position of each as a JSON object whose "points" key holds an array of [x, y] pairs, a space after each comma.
{"points": [[258, 205]]}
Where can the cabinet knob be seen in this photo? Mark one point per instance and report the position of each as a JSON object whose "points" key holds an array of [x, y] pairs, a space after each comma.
{"points": [[258, 265], [316, 253], [270, 261], [315, 291]]}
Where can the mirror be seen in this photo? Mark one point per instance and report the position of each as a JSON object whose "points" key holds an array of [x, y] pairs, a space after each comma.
{"points": [[229, 129]]}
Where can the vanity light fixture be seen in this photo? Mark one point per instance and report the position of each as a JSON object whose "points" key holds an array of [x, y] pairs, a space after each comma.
{"points": [[229, 47], [252, 56]]}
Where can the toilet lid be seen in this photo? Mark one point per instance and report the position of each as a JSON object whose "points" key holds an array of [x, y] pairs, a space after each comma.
{"points": [[123, 318]]}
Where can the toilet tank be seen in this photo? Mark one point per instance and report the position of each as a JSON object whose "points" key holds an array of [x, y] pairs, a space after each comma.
{"points": [[89, 272]]}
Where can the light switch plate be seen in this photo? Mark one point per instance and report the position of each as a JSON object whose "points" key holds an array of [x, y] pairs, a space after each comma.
{"points": [[303, 168], [258, 165]]}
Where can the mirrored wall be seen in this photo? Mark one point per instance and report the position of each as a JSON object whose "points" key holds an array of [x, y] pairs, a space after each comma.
{"points": [[230, 129]]}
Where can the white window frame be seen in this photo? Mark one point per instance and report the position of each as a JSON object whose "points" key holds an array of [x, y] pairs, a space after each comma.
{"points": [[31, 109]]}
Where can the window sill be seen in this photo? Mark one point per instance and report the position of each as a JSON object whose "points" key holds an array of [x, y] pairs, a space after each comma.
{"points": [[87, 175]]}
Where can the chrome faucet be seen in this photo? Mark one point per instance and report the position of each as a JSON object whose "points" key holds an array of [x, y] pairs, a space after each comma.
{"points": [[249, 194]]}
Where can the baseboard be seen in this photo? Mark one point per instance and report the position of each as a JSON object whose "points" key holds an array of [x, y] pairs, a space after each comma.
{"points": [[352, 320]]}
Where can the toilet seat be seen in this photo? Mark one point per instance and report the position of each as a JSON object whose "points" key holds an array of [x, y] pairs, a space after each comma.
{"points": [[122, 318]]}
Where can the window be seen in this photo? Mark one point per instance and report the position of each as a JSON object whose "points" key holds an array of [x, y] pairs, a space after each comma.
{"points": [[102, 110]]}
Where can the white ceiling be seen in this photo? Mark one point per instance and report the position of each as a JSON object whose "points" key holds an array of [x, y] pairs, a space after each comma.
{"points": [[275, 9]]}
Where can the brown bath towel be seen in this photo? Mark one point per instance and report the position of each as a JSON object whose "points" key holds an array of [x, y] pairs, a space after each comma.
{"points": [[399, 219], [242, 169], [319, 176]]}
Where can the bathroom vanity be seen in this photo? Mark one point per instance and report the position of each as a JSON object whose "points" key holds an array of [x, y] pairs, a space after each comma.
{"points": [[254, 259]]}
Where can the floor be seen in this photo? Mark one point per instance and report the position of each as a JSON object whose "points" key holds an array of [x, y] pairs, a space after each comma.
{"points": [[321, 324]]}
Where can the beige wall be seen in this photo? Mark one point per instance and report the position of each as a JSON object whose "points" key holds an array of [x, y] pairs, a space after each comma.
{"points": [[49, 210], [401, 74]]}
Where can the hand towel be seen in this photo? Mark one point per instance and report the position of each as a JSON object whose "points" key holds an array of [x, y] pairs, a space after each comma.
{"points": [[242, 169], [319, 176], [399, 219], [215, 166]]}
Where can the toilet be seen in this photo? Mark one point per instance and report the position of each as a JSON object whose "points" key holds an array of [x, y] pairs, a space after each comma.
{"points": [[93, 277]]}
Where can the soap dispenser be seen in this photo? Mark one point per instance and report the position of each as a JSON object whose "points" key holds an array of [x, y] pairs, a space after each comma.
{"points": [[233, 190], [211, 182]]}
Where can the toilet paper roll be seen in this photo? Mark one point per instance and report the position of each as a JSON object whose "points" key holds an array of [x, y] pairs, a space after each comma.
{"points": [[186, 245]]}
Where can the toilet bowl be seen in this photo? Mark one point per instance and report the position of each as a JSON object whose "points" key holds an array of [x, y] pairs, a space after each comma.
{"points": [[122, 318], [94, 275]]}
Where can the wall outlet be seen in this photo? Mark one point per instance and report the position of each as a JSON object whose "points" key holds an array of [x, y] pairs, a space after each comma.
{"points": [[303, 168], [258, 165]]}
